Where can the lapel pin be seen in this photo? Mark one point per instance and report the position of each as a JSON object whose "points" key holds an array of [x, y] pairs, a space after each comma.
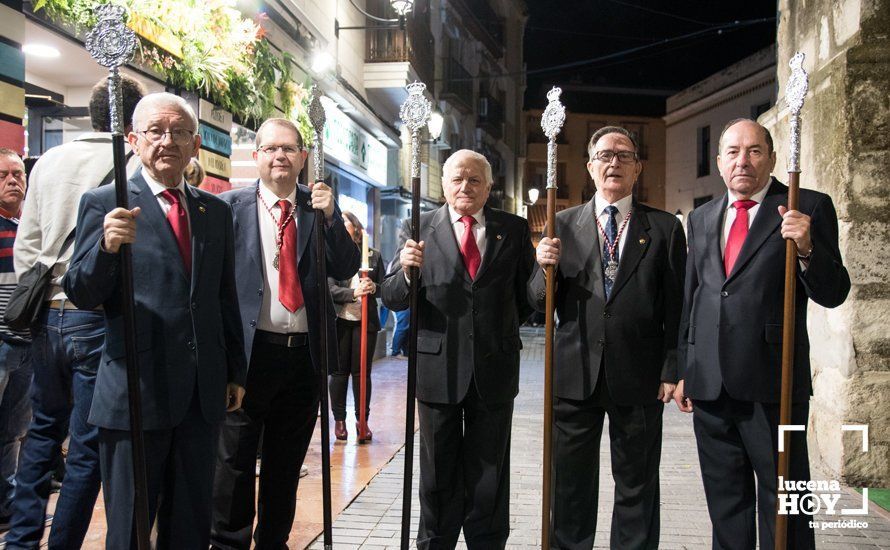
{"points": [[201, 209], [642, 241], [499, 237]]}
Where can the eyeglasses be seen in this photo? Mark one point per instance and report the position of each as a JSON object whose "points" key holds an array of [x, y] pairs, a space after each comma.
{"points": [[624, 157], [288, 150], [180, 136]]}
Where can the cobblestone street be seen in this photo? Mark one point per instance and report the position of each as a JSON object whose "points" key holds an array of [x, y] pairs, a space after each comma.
{"points": [[373, 519]]}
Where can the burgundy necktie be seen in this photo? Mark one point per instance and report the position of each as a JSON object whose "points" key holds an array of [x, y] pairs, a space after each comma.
{"points": [[290, 293], [468, 248], [737, 234], [179, 222]]}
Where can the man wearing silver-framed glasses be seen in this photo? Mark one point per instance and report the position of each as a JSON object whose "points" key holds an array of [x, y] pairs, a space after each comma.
{"points": [[619, 293]]}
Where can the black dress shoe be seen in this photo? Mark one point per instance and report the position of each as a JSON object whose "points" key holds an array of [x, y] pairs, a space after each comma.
{"points": [[340, 430]]}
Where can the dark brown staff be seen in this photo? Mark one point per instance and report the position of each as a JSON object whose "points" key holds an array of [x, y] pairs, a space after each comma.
{"points": [[795, 92], [551, 122], [112, 44], [317, 117], [415, 113]]}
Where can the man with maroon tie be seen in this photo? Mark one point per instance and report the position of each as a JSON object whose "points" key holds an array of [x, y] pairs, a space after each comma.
{"points": [[475, 262], [730, 343], [188, 327], [280, 307]]}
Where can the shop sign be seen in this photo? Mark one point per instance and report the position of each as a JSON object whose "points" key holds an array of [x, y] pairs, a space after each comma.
{"points": [[215, 164], [215, 185], [12, 100], [12, 62], [214, 116], [12, 136], [347, 142], [155, 34], [215, 140]]}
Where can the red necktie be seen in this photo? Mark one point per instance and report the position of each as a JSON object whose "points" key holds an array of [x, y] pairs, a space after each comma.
{"points": [[179, 222], [290, 294], [737, 234], [468, 248]]}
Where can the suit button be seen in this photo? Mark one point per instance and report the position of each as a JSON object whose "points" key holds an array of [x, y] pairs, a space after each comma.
{"points": [[253, 323], [259, 292], [724, 294], [194, 305], [190, 344], [602, 341], [470, 336], [606, 315], [475, 311]]}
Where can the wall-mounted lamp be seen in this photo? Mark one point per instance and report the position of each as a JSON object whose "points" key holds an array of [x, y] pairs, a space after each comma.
{"points": [[533, 195], [435, 125], [322, 62], [401, 7]]}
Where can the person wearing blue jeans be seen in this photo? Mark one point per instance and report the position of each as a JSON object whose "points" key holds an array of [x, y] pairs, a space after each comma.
{"points": [[15, 413], [400, 333], [66, 348]]}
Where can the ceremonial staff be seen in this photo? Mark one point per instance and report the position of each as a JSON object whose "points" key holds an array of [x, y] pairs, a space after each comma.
{"points": [[795, 92], [317, 117], [551, 122], [363, 361], [112, 44], [415, 113]]}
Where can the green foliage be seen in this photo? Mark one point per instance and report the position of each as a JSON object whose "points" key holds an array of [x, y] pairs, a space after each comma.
{"points": [[225, 57]]}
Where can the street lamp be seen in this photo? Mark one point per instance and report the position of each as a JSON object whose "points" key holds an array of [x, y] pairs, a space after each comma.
{"points": [[401, 7], [435, 126]]}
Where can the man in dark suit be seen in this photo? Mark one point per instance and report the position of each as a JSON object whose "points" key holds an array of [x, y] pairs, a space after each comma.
{"points": [[188, 327], [275, 240], [731, 333], [619, 291], [474, 263]]}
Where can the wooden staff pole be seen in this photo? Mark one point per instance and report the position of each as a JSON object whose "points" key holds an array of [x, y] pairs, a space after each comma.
{"points": [[551, 122], [794, 95], [363, 358]]}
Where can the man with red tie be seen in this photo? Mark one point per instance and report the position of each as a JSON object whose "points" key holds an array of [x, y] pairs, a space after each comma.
{"points": [[275, 243], [188, 327], [730, 342], [475, 262]]}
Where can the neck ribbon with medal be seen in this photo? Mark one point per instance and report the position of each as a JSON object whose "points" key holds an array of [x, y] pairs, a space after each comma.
{"points": [[279, 235], [611, 269]]}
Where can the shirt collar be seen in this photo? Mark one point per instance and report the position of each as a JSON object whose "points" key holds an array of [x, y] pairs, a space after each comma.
{"points": [[478, 216], [157, 188], [756, 197], [271, 199], [623, 205], [4, 213]]}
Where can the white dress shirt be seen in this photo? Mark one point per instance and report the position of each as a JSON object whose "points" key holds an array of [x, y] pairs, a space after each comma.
{"points": [[730, 213], [274, 317], [157, 188], [478, 229], [623, 205]]}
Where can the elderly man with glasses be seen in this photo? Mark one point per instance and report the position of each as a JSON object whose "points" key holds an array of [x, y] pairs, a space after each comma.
{"points": [[275, 243], [620, 267], [188, 327]]}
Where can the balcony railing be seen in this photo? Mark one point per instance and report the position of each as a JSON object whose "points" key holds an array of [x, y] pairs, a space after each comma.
{"points": [[458, 84], [414, 45], [491, 116]]}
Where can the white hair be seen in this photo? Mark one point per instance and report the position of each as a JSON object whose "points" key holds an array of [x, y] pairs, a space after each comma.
{"points": [[456, 156], [152, 102]]}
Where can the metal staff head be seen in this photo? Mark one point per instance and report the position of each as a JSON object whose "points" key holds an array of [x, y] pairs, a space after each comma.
{"points": [[317, 118], [112, 44], [551, 122], [795, 93], [415, 112]]}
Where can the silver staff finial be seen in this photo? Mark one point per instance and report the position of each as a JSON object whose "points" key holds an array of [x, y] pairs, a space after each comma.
{"points": [[551, 122], [795, 93], [317, 119], [415, 113], [111, 42]]}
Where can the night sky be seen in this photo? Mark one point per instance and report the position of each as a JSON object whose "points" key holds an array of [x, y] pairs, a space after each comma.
{"points": [[566, 31]]}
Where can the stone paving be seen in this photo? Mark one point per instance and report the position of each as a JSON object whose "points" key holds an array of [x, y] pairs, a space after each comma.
{"points": [[373, 519]]}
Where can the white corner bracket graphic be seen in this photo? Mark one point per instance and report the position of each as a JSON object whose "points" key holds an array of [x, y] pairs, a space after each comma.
{"points": [[862, 428], [788, 428], [863, 511]]}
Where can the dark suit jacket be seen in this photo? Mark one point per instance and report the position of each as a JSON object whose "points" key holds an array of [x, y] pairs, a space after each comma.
{"points": [[468, 329], [341, 293], [342, 262], [634, 333], [188, 329], [731, 330]]}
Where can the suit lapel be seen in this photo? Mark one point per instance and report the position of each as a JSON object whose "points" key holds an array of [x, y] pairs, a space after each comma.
{"points": [[635, 245], [305, 221], [197, 209], [585, 235], [765, 222], [247, 223], [154, 217], [713, 220], [441, 236], [494, 239]]}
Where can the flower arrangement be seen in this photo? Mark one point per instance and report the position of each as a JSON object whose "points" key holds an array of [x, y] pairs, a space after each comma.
{"points": [[207, 47]]}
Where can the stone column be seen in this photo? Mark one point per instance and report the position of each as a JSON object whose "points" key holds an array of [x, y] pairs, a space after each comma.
{"points": [[846, 153]]}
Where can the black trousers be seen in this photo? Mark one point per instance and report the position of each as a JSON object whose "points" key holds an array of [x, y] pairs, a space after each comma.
{"points": [[635, 443], [464, 473], [737, 442], [349, 339], [179, 471], [281, 404]]}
